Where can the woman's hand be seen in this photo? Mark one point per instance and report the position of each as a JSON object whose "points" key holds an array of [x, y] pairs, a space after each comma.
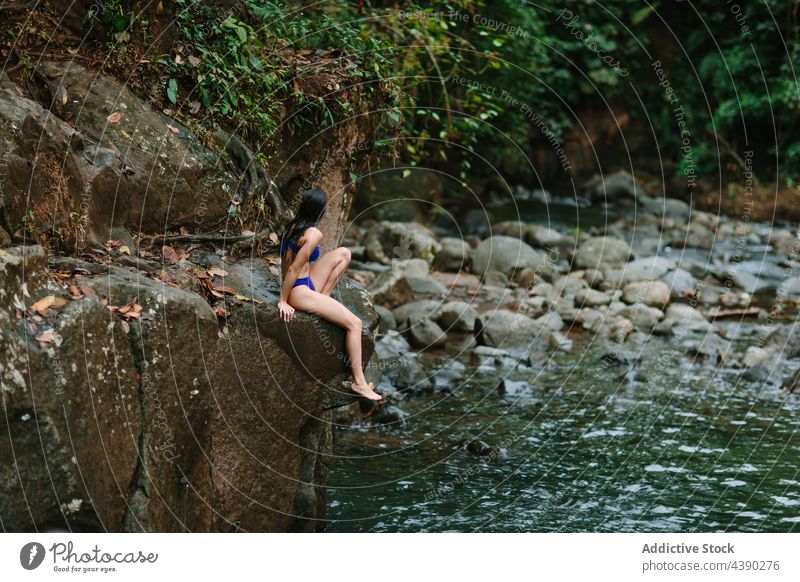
{"points": [[286, 311]]}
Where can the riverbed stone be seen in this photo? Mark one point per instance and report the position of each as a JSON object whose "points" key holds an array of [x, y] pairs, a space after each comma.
{"points": [[508, 329], [652, 293], [453, 256], [412, 313], [642, 316], [399, 241], [647, 269], [591, 298], [391, 288], [457, 316], [680, 283], [600, 251], [685, 317], [426, 334], [505, 254]]}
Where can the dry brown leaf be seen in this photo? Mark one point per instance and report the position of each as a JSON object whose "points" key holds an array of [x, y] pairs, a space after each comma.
{"points": [[114, 117], [274, 271], [58, 303], [248, 233], [124, 250], [43, 305], [172, 128], [273, 238], [193, 60], [74, 292], [170, 254], [86, 290], [223, 289], [217, 272]]}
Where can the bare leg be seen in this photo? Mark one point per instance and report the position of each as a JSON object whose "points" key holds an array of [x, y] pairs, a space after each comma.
{"points": [[328, 308], [329, 269]]}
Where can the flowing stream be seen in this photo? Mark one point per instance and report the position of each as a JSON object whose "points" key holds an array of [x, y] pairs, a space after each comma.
{"points": [[671, 443]]}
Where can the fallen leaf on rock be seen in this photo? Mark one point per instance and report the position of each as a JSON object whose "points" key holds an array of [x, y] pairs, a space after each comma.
{"points": [[114, 117], [170, 254], [223, 289], [221, 311], [248, 233], [124, 250], [217, 272], [273, 260], [172, 128], [273, 238], [244, 298], [86, 290], [274, 271], [42, 307], [193, 60]]}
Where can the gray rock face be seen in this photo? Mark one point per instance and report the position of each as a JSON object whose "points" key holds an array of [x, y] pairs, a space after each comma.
{"points": [[591, 298], [412, 313], [427, 334], [457, 316], [192, 414], [600, 251], [680, 283], [508, 329], [391, 288], [790, 288], [613, 187], [136, 173], [652, 293], [400, 241], [646, 269], [453, 256], [399, 365], [683, 317], [506, 255], [642, 316], [666, 207]]}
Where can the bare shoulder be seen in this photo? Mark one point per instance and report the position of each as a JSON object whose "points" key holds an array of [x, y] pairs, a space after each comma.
{"points": [[312, 234]]}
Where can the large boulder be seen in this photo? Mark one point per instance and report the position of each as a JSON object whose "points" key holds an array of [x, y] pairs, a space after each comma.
{"points": [[453, 256], [215, 424], [600, 251], [507, 255], [98, 157], [502, 328], [616, 186]]}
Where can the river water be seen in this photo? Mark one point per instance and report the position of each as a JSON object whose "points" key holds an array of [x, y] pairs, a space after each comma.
{"points": [[675, 446], [672, 445]]}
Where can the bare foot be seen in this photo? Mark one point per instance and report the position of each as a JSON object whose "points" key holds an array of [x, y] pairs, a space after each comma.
{"points": [[366, 390]]}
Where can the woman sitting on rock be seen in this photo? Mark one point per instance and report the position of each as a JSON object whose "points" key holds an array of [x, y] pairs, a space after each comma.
{"points": [[308, 286]]}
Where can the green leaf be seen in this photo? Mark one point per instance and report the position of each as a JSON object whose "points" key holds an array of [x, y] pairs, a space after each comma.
{"points": [[172, 91]]}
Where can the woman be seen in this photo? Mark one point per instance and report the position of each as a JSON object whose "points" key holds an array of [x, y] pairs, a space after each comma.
{"points": [[308, 286]]}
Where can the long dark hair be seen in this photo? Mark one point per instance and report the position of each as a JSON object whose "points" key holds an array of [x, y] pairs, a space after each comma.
{"points": [[312, 208]]}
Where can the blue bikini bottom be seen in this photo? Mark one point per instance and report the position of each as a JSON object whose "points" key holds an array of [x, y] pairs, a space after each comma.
{"points": [[304, 281]]}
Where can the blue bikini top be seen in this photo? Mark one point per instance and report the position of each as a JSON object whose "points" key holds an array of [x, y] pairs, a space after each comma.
{"points": [[287, 243]]}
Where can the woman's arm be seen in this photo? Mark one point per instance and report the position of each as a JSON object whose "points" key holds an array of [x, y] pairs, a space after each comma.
{"points": [[312, 237]]}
